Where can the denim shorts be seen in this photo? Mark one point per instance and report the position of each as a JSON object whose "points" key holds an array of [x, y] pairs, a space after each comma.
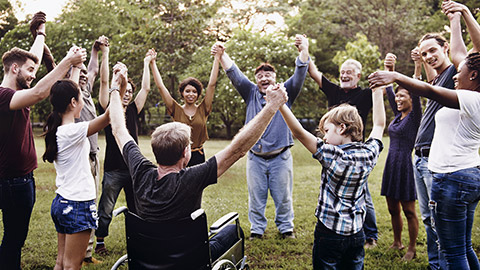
{"points": [[73, 216]]}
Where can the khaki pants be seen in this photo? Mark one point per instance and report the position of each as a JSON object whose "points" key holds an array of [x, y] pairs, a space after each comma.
{"points": [[95, 167]]}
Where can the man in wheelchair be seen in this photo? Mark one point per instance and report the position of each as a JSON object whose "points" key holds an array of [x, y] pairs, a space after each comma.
{"points": [[170, 190]]}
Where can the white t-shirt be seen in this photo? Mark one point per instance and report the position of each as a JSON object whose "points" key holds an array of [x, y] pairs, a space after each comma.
{"points": [[457, 135], [74, 178]]}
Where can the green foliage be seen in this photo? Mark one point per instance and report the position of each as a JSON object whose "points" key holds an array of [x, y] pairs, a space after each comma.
{"points": [[7, 18], [364, 52]]}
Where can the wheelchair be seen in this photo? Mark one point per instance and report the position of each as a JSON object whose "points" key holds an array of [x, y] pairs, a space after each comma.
{"points": [[179, 245]]}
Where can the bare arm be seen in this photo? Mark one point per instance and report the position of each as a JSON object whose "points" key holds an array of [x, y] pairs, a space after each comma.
{"points": [[305, 137], [104, 76], [141, 97], [117, 115], [75, 74], [442, 95], [37, 47], [99, 122], [315, 74], [252, 131], [301, 42], [458, 50], [212, 82], [378, 114], [167, 98], [472, 24], [225, 60], [29, 97]]}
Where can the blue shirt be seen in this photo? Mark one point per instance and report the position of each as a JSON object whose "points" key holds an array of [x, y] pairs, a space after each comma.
{"points": [[345, 169], [277, 135]]}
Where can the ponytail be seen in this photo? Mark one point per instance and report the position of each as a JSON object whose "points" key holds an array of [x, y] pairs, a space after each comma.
{"points": [[61, 95], [54, 120]]}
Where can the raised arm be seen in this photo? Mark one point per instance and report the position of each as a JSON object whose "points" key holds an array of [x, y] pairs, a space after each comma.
{"points": [[315, 74], [305, 137], [29, 97], [212, 82], [389, 65], [472, 25], [104, 76], [117, 116], [301, 42], [294, 84], [167, 98], [141, 97], [458, 50], [252, 131], [38, 22], [429, 71], [442, 95], [92, 69], [378, 114], [225, 60]]}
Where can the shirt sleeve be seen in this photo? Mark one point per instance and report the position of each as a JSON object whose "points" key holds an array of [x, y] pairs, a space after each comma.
{"points": [[137, 164], [294, 84], [243, 85], [391, 99], [6, 96]]}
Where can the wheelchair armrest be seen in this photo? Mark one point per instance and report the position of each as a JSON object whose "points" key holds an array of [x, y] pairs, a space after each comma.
{"points": [[197, 213], [120, 210], [223, 221]]}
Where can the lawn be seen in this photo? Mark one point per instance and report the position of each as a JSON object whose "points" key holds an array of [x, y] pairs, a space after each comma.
{"points": [[230, 194]]}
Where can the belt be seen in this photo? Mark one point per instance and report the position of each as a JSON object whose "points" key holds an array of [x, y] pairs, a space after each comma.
{"points": [[422, 152], [271, 156]]}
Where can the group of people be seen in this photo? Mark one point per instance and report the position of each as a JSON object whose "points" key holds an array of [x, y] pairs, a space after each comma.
{"points": [[443, 175]]}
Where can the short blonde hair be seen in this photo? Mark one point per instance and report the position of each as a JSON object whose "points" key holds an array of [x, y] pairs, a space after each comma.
{"points": [[355, 63], [344, 114], [169, 141]]}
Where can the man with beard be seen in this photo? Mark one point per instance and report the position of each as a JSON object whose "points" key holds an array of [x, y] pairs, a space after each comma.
{"points": [[349, 92], [18, 158], [269, 162]]}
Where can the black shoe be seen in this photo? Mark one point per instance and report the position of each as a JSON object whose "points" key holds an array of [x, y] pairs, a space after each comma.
{"points": [[255, 236], [288, 235]]}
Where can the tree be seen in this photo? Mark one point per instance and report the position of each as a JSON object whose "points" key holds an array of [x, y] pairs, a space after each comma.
{"points": [[7, 18]]}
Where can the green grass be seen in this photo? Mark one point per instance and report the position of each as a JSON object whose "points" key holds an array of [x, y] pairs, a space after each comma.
{"points": [[230, 194]]}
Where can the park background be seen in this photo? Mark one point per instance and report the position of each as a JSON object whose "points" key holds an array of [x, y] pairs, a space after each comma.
{"points": [[182, 32]]}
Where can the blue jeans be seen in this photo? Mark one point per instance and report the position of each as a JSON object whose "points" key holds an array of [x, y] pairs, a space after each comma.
{"points": [[112, 184], [17, 197], [72, 217], [423, 183], [276, 175], [335, 251], [223, 241], [370, 223], [454, 198]]}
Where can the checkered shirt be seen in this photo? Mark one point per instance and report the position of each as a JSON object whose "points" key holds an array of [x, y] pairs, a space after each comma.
{"points": [[345, 169]]}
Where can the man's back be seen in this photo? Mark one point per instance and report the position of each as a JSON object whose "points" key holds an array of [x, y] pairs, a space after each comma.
{"points": [[174, 196]]}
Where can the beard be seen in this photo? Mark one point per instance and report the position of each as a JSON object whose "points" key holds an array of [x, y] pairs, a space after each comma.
{"points": [[21, 81]]}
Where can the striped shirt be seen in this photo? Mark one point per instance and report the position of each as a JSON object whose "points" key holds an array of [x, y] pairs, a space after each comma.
{"points": [[345, 169]]}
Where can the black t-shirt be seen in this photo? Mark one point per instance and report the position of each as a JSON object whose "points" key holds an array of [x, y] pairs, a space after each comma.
{"points": [[427, 125], [358, 97], [174, 196], [113, 157]]}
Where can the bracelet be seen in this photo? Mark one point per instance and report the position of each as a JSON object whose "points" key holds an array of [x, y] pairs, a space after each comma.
{"points": [[114, 89], [76, 67], [41, 33]]}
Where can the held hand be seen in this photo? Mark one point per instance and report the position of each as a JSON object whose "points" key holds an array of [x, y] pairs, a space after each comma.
{"points": [[380, 78], [389, 63], [76, 55], [452, 7], [301, 42], [217, 50], [101, 43], [150, 56], [415, 55], [276, 95]]}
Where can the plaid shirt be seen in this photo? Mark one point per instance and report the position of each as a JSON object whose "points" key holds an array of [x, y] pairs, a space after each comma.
{"points": [[345, 169]]}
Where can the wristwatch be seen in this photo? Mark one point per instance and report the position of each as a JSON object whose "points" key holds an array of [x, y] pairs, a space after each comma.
{"points": [[114, 89]]}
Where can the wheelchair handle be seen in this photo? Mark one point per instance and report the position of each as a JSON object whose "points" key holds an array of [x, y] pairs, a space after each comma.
{"points": [[223, 221]]}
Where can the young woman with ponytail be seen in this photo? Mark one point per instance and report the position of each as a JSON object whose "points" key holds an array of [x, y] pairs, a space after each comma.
{"points": [[73, 210]]}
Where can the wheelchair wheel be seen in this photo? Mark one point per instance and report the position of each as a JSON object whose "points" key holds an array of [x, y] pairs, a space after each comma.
{"points": [[121, 263], [224, 265]]}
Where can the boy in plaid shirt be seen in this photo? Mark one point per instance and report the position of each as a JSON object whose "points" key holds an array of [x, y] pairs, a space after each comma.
{"points": [[346, 163]]}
